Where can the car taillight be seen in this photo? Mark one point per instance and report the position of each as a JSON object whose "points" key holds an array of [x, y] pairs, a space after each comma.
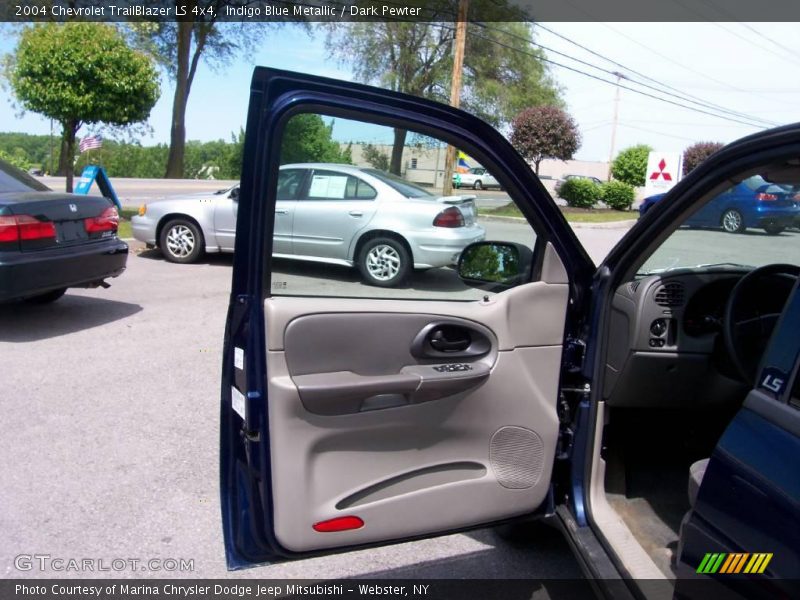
{"points": [[25, 227], [449, 217], [763, 197], [107, 221]]}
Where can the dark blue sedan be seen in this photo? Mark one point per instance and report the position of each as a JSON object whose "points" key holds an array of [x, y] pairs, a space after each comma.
{"points": [[752, 203]]}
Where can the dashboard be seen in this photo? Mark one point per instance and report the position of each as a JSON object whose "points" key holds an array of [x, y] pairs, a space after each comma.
{"points": [[665, 343]]}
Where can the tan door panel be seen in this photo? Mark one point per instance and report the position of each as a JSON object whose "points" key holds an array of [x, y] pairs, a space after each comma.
{"points": [[355, 431]]}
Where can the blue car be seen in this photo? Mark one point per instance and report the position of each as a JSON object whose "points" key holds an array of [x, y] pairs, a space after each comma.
{"points": [[753, 203], [647, 406]]}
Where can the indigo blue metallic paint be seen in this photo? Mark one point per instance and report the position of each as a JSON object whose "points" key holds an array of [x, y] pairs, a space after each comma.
{"points": [[275, 97]]}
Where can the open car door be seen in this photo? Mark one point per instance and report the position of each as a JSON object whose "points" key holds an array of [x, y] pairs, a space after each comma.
{"points": [[350, 421]]}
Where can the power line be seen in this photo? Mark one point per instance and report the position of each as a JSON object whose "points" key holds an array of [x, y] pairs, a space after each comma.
{"points": [[670, 135], [630, 70], [729, 16], [681, 65], [681, 95], [634, 90]]}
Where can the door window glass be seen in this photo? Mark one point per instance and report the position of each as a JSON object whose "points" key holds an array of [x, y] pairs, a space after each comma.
{"points": [[366, 224], [289, 181], [753, 223]]}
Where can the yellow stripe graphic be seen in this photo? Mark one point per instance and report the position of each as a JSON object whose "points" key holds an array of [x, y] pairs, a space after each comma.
{"points": [[764, 564], [740, 562], [751, 563]]}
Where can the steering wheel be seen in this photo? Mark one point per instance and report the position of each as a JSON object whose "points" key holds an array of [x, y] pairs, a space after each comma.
{"points": [[745, 329]]}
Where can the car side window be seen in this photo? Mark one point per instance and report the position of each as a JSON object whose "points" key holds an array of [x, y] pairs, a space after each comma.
{"points": [[334, 185], [289, 182], [358, 189]]}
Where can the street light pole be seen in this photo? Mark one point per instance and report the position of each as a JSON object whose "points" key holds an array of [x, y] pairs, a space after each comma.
{"points": [[455, 89]]}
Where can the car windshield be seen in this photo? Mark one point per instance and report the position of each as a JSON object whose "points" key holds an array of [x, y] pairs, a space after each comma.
{"points": [[476, 171], [13, 179], [409, 190], [754, 223]]}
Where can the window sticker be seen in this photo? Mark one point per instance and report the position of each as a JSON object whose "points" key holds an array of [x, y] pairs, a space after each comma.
{"points": [[327, 186]]}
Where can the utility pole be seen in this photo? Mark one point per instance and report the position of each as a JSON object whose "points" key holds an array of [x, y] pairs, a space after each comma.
{"points": [[614, 123], [455, 89]]}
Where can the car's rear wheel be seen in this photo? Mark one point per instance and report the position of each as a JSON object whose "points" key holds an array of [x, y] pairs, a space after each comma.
{"points": [[774, 229], [181, 241], [732, 221], [384, 262], [477, 185], [47, 297]]}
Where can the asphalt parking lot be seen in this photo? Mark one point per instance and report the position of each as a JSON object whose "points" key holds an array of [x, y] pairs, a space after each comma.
{"points": [[111, 437]]}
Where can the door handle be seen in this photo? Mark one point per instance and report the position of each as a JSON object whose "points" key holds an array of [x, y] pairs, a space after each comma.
{"points": [[452, 339], [356, 213], [281, 211]]}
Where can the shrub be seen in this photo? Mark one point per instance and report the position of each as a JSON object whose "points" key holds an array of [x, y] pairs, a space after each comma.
{"points": [[630, 165], [617, 195], [579, 192], [697, 153]]}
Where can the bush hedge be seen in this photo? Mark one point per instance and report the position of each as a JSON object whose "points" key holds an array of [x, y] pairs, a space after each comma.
{"points": [[579, 192], [617, 195]]}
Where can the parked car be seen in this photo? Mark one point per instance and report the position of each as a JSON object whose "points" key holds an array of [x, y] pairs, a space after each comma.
{"points": [[561, 181], [753, 203], [51, 241], [648, 406], [476, 178], [338, 214]]}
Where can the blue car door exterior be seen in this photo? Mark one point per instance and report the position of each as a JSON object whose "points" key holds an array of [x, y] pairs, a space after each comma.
{"points": [[245, 464]]}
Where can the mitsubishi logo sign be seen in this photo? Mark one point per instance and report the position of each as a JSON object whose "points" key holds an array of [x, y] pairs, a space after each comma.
{"points": [[663, 172]]}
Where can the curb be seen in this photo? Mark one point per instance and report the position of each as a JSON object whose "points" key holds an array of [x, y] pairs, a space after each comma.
{"points": [[625, 224]]}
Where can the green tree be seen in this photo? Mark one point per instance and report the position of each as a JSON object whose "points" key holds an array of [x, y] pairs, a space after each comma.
{"points": [[179, 46], [545, 132], [630, 165], [18, 159], [375, 157], [81, 73], [35, 149], [307, 138], [501, 72], [697, 153]]}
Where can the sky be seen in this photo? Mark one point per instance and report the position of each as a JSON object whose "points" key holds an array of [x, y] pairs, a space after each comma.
{"points": [[753, 69]]}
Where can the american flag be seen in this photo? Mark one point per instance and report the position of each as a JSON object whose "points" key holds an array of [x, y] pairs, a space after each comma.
{"points": [[90, 143]]}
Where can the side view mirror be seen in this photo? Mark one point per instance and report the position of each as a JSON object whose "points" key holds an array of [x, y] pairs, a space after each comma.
{"points": [[495, 266], [234, 195]]}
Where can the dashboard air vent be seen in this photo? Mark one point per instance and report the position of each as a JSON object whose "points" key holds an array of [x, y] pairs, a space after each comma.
{"points": [[671, 295], [633, 286]]}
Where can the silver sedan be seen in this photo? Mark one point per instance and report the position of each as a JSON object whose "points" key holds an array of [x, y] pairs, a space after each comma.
{"points": [[338, 214]]}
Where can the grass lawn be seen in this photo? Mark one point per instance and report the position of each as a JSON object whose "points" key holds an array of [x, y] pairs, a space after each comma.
{"points": [[125, 215], [575, 215]]}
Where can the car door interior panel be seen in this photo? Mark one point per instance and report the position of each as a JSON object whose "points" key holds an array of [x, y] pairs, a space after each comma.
{"points": [[387, 428]]}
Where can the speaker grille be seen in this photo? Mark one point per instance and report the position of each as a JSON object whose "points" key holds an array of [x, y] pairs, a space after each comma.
{"points": [[516, 456]]}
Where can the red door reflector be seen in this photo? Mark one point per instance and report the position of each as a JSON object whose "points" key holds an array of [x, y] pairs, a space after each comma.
{"points": [[338, 524]]}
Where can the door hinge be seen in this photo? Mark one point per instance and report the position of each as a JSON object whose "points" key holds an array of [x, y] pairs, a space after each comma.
{"points": [[574, 354]]}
